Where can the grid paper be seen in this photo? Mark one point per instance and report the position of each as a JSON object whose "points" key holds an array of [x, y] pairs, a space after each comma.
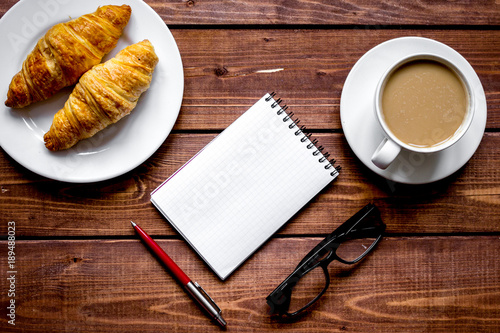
{"points": [[242, 187]]}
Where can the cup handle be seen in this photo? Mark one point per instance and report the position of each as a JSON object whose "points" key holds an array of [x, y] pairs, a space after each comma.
{"points": [[385, 153]]}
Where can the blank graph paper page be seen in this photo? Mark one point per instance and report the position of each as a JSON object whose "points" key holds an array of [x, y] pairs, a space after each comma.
{"points": [[243, 186]]}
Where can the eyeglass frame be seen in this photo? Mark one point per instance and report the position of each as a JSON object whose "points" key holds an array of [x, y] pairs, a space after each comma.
{"points": [[279, 299]]}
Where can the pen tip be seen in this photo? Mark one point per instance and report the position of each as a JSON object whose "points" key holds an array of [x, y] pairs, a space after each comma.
{"points": [[133, 224], [221, 322]]}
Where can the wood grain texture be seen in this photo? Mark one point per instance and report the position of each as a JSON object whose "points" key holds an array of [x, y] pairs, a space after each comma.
{"points": [[460, 203], [322, 12], [405, 285], [81, 268], [307, 68], [391, 12]]}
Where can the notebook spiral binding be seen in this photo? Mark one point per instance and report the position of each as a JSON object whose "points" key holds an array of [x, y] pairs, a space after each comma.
{"points": [[306, 136]]}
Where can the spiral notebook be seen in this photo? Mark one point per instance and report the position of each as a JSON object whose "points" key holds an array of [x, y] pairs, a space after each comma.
{"points": [[236, 192]]}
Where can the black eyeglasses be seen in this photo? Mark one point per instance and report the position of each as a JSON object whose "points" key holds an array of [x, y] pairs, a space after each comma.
{"points": [[349, 243]]}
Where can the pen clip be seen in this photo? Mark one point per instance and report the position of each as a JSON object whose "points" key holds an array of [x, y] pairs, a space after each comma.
{"points": [[200, 289]]}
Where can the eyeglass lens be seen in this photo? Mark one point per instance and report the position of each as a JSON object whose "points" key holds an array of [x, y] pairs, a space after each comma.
{"points": [[307, 289], [353, 249]]}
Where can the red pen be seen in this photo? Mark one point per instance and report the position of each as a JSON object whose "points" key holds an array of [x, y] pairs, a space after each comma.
{"points": [[193, 288]]}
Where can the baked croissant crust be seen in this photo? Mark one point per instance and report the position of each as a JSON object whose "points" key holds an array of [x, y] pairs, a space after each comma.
{"points": [[66, 52], [104, 95]]}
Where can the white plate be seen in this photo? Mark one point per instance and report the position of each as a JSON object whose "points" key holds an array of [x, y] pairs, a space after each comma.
{"points": [[363, 132], [120, 147]]}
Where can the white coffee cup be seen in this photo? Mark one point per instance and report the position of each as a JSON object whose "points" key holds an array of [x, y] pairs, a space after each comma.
{"points": [[391, 145]]}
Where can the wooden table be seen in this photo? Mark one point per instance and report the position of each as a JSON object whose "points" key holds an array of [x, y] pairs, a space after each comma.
{"points": [[80, 267]]}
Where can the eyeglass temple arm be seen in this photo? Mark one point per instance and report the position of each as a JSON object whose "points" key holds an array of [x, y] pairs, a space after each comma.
{"points": [[279, 299]]}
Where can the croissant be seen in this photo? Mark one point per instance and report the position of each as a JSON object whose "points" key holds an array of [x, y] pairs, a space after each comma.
{"points": [[104, 95], [66, 52]]}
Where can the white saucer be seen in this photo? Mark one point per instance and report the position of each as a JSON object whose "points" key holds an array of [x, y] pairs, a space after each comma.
{"points": [[363, 132]]}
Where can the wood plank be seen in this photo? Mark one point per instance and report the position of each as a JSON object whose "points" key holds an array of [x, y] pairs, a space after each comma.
{"points": [[465, 202], [223, 78], [303, 12], [407, 284], [323, 12], [226, 71], [351, 12], [356, 12]]}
